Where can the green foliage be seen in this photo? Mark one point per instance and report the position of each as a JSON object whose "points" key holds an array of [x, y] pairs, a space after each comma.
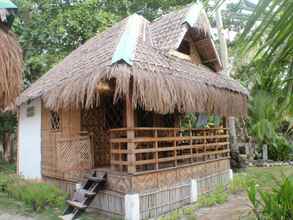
{"points": [[240, 182], [266, 116], [273, 34], [265, 65], [36, 195], [219, 196], [177, 214], [8, 123], [183, 213], [7, 167], [275, 204], [189, 120], [48, 30]]}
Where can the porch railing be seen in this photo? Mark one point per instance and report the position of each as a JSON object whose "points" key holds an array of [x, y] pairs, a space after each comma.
{"points": [[161, 148]]}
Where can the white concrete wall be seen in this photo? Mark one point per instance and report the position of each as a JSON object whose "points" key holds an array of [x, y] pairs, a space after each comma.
{"points": [[30, 141]]}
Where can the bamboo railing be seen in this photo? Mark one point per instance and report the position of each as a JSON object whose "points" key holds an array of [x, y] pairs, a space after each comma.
{"points": [[162, 148]]}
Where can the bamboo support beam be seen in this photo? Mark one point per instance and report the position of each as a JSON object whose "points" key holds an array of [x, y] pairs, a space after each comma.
{"points": [[130, 133]]}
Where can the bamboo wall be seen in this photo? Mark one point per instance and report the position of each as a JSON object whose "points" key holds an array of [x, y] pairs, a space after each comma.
{"points": [[166, 199], [93, 121], [153, 202], [69, 127]]}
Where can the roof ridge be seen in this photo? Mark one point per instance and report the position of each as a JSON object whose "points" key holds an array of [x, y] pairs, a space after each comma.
{"points": [[126, 47], [5, 4], [178, 10]]}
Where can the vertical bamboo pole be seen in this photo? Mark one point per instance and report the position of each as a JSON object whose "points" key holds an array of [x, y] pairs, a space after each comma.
{"points": [[190, 143], [205, 144], [130, 132], [225, 62], [156, 153], [175, 148]]}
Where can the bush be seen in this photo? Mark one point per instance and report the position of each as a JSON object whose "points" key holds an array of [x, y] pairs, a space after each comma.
{"points": [[280, 149], [36, 195], [274, 205]]}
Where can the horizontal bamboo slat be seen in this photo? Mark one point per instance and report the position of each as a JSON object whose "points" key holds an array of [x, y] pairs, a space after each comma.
{"points": [[161, 148]]}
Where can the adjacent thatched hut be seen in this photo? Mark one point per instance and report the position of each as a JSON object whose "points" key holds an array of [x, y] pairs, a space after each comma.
{"points": [[116, 105], [10, 57]]}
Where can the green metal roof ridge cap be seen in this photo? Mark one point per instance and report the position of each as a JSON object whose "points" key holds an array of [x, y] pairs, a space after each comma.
{"points": [[125, 49], [6, 4]]}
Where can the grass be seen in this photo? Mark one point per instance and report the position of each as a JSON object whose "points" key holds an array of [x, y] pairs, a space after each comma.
{"points": [[219, 196], [264, 177], [45, 202]]}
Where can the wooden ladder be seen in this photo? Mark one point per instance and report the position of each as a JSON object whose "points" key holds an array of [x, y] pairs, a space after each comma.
{"points": [[83, 197]]}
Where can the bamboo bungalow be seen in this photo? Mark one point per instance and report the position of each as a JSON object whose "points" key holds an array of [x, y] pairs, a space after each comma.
{"points": [[10, 57], [115, 105]]}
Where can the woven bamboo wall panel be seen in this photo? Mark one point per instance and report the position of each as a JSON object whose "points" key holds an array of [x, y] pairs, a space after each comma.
{"points": [[93, 121], [143, 182], [155, 203], [70, 127], [74, 154]]}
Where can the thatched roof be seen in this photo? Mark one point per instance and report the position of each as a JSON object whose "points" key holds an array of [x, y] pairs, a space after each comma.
{"points": [[137, 51], [10, 59]]}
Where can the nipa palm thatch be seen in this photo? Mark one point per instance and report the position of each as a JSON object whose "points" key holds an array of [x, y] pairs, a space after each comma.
{"points": [[10, 67], [136, 54]]}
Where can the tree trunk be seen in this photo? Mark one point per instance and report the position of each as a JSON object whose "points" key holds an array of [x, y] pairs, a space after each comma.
{"points": [[223, 44], [225, 63], [8, 147]]}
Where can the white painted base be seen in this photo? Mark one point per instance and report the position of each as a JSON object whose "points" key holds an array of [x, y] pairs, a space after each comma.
{"points": [[29, 140], [78, 186], [230, 174], [193, 191], [132, 207]]}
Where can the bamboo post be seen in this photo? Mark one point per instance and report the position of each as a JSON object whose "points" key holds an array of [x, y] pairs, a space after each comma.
{"points": [[130, 134], [190, 143], [156, 153], [205, 145], [175, 148]]}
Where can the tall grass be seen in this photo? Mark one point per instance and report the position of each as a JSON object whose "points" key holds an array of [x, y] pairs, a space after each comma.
{"points": [[36, 195], [273, 205]]}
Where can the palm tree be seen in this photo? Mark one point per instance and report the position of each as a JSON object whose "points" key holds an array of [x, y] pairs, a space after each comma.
{"points": [[268, 34], [269, 29], [10, 57]]}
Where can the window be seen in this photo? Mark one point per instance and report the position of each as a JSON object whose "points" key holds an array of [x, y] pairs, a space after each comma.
{"points": [[55, 121]]}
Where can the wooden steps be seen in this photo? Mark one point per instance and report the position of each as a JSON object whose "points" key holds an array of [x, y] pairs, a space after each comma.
{"points": [[95, 179], [88, 193], [67, 217], [82, 198], [78, 205]]}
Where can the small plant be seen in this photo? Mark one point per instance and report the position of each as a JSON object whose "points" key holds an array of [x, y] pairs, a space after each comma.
{"points": [[36, 195], [274, 205], [219, 196], [189, 213], [175, 215], [240, 183]]}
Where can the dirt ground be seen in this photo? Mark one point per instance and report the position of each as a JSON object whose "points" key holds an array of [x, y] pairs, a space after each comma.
{"points": [[237, 207], [5, 216]]}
